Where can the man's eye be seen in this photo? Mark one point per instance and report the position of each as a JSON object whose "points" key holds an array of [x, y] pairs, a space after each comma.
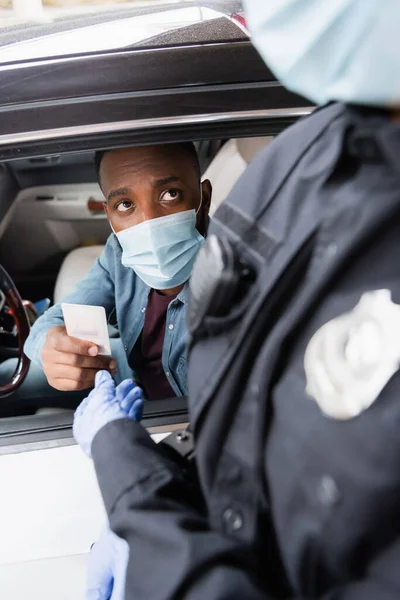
{"points": [[124, 206], [171, 195]]}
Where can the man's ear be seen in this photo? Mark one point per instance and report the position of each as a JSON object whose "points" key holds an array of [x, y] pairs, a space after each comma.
{"points": [[207, 193]]}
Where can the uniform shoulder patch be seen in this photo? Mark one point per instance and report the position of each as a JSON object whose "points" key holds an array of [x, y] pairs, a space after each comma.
{"points": [[350, 359]]}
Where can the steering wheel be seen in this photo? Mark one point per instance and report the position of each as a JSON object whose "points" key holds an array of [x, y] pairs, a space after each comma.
{"points": [[9, 295]]}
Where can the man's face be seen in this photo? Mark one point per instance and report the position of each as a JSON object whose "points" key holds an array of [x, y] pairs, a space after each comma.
{"points": [[144, 183]]}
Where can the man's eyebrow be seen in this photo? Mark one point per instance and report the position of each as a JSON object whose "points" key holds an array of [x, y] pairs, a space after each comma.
{"points": [[165, 180], [119, 192], [157, 183]]}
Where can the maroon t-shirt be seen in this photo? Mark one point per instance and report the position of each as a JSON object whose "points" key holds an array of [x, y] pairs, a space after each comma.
{"points": [[146, 356]]}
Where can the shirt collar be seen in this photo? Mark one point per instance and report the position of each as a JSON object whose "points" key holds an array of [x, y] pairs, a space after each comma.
{"points": [[183, 295]]}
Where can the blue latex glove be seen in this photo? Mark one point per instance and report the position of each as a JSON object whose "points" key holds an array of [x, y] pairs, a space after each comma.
{"points": [[105, 403], [107, 564]]}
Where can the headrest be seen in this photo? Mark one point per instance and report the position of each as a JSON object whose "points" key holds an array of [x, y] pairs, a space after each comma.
{"points": [[248, 147]]}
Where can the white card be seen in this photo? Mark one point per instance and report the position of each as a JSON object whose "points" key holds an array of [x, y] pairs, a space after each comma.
{"points": [[87, 323]]}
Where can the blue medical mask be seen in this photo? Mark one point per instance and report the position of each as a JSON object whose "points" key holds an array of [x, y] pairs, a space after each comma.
{"points": [[344, 50], [162, 251]]}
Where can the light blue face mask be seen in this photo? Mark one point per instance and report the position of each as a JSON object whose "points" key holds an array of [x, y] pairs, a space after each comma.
{"points": [[344, 50], [162, 251]]}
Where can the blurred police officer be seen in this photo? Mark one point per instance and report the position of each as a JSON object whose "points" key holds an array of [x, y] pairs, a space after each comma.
{"points": [[294, 391]]}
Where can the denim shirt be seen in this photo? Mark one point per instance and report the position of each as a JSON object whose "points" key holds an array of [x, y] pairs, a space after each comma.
{"points": [[124, 297]]}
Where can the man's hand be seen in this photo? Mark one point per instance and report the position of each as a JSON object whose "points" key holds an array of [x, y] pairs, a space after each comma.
{"points": [[104, 404], [107, 563], [70, 364]]}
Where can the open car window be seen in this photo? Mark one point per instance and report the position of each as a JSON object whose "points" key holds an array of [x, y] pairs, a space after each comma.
{"points": [[54, 208]]}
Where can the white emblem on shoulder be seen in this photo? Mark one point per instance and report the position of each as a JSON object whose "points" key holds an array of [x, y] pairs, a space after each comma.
{"points": [[350, 359]]}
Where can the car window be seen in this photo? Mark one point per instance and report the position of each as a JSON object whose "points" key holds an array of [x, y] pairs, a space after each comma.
{"points": [[54, 208]]}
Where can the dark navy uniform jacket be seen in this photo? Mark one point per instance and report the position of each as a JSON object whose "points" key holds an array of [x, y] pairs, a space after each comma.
{"points": [[298, 504]]}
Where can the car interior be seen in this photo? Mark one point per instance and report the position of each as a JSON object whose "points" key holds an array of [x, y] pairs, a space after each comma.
{"points": [[53, 227]]}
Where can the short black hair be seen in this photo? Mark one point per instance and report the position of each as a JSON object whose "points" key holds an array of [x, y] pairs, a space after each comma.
{"points": [[187, 147]]}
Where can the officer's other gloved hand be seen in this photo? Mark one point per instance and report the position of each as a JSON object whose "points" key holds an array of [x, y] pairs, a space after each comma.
{"points": [[105, 403], [107, 564]]}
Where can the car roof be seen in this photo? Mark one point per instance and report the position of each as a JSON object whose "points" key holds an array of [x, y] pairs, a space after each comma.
{"points": [[197, 81], [156, 24]]}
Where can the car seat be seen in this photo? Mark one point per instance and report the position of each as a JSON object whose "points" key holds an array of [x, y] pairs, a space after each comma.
{"points": [[75, 266], [229, 164]]}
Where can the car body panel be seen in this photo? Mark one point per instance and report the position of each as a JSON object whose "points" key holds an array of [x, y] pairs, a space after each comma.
{"points": [[41, 485], [128, 87], [113, 27], [61, 578], [108, 35], [209, 73], [51, 512]]}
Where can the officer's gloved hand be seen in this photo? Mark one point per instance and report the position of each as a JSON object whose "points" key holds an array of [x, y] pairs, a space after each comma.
{"points": [[105, 403], [107, 564]]}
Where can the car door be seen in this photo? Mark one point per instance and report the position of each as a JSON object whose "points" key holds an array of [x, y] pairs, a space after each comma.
{"points": [[51, 509]]}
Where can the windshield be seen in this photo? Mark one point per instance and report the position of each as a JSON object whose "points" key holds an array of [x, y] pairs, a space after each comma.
{"points": [[35, 29]]}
